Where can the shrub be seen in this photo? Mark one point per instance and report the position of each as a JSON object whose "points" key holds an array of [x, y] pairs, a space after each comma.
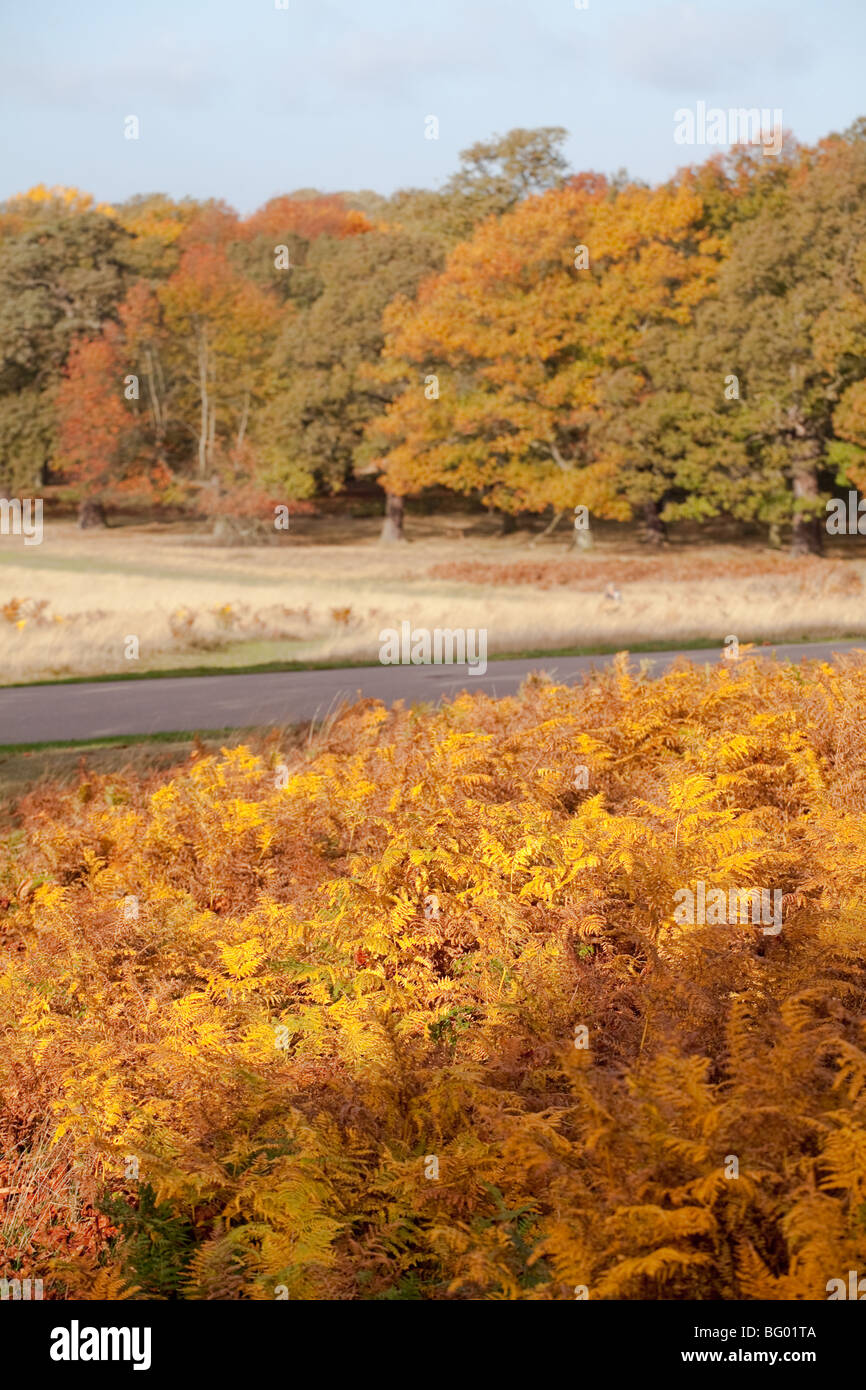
{"points": [[285, 1032]]}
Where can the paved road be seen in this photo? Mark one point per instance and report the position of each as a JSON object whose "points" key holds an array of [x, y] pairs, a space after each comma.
{"points": [[105, 709]]}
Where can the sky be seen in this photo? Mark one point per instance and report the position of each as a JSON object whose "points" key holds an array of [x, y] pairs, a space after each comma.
{"points": [[241, 100]]}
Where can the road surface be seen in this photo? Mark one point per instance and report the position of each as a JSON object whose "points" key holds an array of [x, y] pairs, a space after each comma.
{"points": [[108, 709]]}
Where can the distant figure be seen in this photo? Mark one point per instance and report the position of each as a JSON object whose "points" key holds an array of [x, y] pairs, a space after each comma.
{"points": [[613, 593]]}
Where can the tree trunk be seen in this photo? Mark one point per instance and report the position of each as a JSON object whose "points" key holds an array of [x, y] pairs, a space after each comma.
{"points": [[508, 523], [242, 428], [91, 513], [205, 406], [549, 528], [222, 528], [807, 535], [155, 403], [654, 529], [392, 526]]}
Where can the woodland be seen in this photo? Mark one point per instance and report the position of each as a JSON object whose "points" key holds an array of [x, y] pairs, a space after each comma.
{"points": [[528, 338]]}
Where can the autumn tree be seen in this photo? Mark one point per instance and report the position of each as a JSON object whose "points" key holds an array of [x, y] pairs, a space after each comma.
{"points": [[497, 174], [679, 438], [501, 356], [119, 430], [310, 217], [63, 271], [493, 177], [145, 339], [99, 436], [737, 184], [273, 247], [662, 268], [326, 393], [159, 228], [786, 295], [840, 346], [221, 328]]}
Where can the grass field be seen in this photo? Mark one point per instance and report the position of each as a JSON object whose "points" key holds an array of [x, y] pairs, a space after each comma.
{"points": [[69, 606], [24, 770]]}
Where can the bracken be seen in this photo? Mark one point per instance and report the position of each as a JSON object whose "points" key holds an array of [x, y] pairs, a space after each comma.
{"points": [[283, 1036]]}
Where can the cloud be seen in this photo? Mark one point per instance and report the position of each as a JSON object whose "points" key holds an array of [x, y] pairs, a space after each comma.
{"points": [[397, 61], [165, 73], [486, 40], [680, 46]]}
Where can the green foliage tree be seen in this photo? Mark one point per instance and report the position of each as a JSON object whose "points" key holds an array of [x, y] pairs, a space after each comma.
{"points": [[793, 269], [493, 177], [501, 172], [61, 276], [323, 392]]}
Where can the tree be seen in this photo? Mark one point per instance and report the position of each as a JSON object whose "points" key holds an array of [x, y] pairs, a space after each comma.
{"points": [[99, 441], [736, 185], [221, 330], [62, 274], [501, 357], [289, 227], [309, 217], [313, 424], [481, 360], [503, 171], [665, 257], [791, 273], [494, 176], [146, 350], [840, 345], [158, 226]]}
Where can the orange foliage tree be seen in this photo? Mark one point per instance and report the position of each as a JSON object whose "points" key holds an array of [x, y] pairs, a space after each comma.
{"points": [[100, 440], [310, 217], [502, 352], [221, 329]]}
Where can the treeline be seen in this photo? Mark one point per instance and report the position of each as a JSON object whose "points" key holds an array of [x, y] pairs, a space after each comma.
{"points": [[526, 336]]}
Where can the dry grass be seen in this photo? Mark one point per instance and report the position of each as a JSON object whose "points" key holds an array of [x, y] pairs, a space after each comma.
{"points": [[595, 571], [47, 1195], [69, 606], [22, 772]]}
